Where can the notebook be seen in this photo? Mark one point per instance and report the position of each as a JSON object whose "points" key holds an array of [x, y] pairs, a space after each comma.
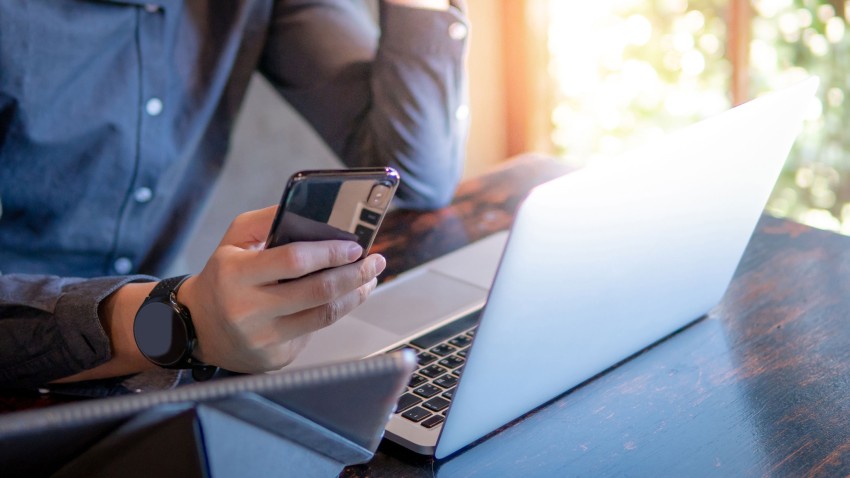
{"points": [[598, 265]]}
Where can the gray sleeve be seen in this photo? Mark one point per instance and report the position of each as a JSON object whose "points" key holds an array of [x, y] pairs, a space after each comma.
{"points": [[387, 94], [49, 326]]}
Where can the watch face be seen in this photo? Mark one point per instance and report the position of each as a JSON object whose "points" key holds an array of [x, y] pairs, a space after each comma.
{"points": [[160, 333]]}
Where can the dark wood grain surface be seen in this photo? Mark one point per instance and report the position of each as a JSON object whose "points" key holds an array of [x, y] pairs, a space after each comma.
{"points": [[759, 387], [481, 207]]}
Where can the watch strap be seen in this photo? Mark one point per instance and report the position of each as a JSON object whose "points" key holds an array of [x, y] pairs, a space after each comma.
{"points": [[163, 292], [167, 286]]}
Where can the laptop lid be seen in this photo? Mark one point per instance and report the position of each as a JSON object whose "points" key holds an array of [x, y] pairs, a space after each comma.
{"points": [[604, 262]]}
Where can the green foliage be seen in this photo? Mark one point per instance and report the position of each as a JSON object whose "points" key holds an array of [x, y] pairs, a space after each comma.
{"points": [[629, 70], [791, 40]]}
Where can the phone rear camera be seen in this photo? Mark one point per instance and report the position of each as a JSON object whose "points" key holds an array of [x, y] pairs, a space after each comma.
{"points": [[378, 196]]}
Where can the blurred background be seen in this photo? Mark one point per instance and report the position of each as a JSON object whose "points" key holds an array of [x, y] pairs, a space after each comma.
{"points": [[610, 74], [586, 80]]}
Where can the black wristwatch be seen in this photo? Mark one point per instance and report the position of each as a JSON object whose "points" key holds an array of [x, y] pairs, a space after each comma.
{"points": [[164, 331]]}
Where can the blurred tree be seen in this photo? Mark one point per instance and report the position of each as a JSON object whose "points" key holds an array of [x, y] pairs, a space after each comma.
{"points": [[793, 39], [629, 70]]}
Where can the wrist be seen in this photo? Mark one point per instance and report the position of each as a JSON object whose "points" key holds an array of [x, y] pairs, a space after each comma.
{"points": [[116, 313], [185, 296], [164, 331]]}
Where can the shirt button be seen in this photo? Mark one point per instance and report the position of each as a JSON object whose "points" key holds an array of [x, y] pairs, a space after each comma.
{"points": [[458, 31], [154, 106], [143, 195], [122, 265], [152, 8], [462, 112]]}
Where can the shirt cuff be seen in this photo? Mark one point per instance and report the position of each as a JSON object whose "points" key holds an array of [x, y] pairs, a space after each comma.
{"points": [[86, 343]]}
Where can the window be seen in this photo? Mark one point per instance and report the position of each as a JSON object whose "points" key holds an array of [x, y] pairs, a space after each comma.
{"points": [[624, 71]]}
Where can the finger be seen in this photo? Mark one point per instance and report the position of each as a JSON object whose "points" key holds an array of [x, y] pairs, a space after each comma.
{"points": [[319, 289], [311, 320], [250, 227], [297, 259]]}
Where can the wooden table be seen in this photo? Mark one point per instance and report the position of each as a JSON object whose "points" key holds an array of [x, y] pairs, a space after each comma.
{"points": [[761, 386]]}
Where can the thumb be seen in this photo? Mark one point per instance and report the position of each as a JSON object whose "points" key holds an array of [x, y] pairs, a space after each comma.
{"points": [[251, 227]]}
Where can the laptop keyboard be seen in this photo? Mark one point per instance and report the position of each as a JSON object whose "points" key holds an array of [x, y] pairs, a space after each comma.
{"points": [[442, 354]]}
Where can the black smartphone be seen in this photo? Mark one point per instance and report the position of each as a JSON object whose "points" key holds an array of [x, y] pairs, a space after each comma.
{"points": [[347, 204]]}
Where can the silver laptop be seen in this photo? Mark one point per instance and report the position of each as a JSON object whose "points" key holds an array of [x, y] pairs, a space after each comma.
{"points": [[598, 265]]}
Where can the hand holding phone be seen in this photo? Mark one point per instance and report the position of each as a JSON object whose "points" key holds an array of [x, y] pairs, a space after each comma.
{"points": [[326, 205], [247, 319], [253, 310]]}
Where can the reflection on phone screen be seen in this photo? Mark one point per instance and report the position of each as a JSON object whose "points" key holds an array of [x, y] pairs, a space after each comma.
{"points": [[333, 208]]}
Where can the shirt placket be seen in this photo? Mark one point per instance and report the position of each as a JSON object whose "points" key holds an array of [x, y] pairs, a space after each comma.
{"points": [[152, 111]]}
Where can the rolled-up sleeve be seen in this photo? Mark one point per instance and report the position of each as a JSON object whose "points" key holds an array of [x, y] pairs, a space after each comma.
{"points": [[49, 326], [387, 94]]}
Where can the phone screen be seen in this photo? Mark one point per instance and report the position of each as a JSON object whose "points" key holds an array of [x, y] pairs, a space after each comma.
{"points": [[326, 205]]}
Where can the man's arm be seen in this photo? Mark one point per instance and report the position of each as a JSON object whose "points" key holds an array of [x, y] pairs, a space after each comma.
{"points": [[54, 329], [390, 96], [50, 327]]}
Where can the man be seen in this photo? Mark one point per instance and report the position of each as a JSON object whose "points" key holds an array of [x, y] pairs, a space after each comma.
{"points": [[114, 122]]}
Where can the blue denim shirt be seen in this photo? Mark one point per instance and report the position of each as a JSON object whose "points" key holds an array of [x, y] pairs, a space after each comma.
{"points": [[115, 119]]}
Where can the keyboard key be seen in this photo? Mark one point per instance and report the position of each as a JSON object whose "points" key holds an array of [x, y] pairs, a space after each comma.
{"points": [[452, 362], [425, 358], [416, 380], [443, 350], [460, 341], [433, 421], [471, 333], [446, 381], [432, 371], [406, 401], [436, 404], [463, 353], [416, 414], [427, 390], [449, 394], [457, 371]]}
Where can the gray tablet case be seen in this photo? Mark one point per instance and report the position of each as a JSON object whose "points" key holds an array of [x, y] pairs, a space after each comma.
{"points": [[308, 422]]}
